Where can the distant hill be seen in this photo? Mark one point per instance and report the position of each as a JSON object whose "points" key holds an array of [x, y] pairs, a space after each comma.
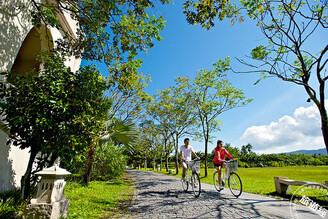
{"points": [[309, 152]]}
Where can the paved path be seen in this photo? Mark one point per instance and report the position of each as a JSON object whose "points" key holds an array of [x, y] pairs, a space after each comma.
{"points": [[161, 196]]}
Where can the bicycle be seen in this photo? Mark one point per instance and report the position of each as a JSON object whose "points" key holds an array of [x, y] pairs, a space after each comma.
{"points": [[194, 180], [234, 181]]}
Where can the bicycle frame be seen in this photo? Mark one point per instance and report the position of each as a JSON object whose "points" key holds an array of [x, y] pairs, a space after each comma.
{"points": [[234, 182], [188, 179], [192, 179]]}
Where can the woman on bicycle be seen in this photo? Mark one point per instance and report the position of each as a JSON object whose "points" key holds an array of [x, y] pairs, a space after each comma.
{"points": [[219, 158]]}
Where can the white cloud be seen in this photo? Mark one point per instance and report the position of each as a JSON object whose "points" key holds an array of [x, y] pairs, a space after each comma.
{"points": [[302, 130]]}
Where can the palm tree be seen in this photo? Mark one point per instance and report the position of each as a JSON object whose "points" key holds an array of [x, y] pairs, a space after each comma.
{"points": [[115, 130]]}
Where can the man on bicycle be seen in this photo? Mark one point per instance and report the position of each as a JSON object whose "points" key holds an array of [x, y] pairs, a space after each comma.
{"points": [[186, 151], [219, 158]]}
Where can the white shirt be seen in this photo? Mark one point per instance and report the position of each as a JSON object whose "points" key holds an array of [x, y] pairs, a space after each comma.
{"points": [[186, 152]]}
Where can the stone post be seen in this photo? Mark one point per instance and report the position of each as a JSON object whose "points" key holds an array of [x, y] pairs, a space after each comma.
{"points": [[280, 187], [50, 201]]}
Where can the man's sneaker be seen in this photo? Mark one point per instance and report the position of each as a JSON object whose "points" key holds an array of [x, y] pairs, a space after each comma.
{"points": [[183, 179], [221, 187]]}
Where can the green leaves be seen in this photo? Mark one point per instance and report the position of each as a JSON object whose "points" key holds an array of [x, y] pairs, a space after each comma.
{"points": [[214, 95], [299, 67], [112, 32], [54, 111], [259, 52], [204, 12]]}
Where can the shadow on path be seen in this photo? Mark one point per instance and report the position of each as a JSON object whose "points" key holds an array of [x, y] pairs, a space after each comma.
{"points": [[161, 196]]}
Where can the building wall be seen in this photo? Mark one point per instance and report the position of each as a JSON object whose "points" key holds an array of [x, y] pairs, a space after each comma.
{"points": [[17, 44]]}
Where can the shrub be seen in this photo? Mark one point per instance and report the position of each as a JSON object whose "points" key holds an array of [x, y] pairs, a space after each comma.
{"points": [[109, 163], [10, 203]]}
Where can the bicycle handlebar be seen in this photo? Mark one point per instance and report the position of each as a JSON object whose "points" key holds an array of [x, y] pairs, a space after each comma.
{"points": [[195, 159], [229, 161]]}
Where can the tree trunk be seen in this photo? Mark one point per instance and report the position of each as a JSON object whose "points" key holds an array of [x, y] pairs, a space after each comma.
{"points": [[206, 143], [323, 114], [177, 155], [145, 164], [322, 109], [324, 125], [26, 179], [154, 163], [325, 135], [161, 164], [88, 166], [166, 156]]}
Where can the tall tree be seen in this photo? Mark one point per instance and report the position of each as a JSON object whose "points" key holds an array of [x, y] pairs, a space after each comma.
{"points": [[173, 110], [290, 27], [147, 140], [167, 142], [213, 94], [129, 100]]}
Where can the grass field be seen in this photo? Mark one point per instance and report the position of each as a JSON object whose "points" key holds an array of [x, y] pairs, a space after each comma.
{"points": [[106, 199], [260, 180]]}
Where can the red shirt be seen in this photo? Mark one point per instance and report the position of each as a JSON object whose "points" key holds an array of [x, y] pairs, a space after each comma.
{"points": [[221, 155]]}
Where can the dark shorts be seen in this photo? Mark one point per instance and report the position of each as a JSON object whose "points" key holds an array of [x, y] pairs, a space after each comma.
{"points": [[218, 165]]}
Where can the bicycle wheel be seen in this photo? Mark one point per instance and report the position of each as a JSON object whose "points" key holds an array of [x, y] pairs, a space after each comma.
{"points": [[215, 182], [235, 184], [185, 185], [195, 184]]}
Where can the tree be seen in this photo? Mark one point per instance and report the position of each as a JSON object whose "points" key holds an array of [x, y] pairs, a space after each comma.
{"points": [[147, 140], [114, 130], [290, 26], [167, 142], [213, 95], [109, 32], [129, 100], [172, 108], [54, 112], [115, 133], [232, 150]]}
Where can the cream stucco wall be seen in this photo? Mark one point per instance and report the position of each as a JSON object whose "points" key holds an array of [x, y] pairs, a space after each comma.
{"points": [[14, 27]]}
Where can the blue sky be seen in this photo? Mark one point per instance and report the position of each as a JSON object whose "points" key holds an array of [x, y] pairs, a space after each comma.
{"points": [[187, 49], [278, 120]]}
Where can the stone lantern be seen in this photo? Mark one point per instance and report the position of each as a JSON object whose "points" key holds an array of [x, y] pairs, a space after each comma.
{"points": [[50, 201]]}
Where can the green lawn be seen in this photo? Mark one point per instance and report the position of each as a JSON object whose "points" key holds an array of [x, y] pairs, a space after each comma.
{"points": [[260, 180], [106, 199]]}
